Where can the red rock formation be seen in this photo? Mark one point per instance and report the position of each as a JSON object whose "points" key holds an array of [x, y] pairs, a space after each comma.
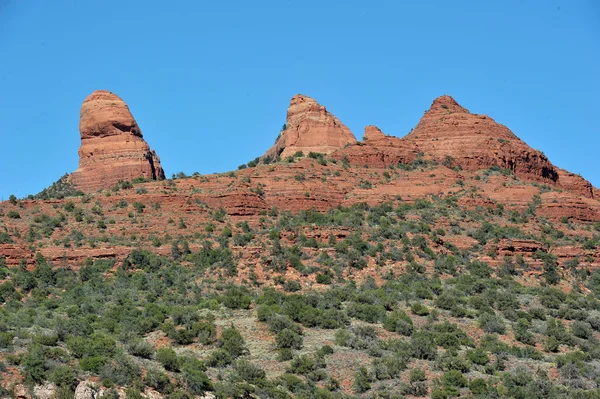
{"points": [[557, 205], [575, 183], [373, 133], [451, 135], [112, 146], [518, 246], [310, 127]]}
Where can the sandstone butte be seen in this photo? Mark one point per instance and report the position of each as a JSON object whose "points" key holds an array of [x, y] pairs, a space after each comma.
{"points": [[310, 128], [112, 146]]}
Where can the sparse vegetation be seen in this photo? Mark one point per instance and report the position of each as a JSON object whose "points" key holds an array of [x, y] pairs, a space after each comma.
{"points": [[421, 297]]}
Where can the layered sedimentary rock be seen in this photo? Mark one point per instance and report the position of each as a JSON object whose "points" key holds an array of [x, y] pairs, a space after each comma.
{"points": [[112, 145], [577, 184], [378, 150], [449, 134], [373, 133], [310, 127]]}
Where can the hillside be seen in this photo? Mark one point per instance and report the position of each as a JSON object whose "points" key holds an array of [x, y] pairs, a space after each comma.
{"points": [[453, 261]]}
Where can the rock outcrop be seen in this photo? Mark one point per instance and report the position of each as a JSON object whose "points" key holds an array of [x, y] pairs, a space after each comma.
{"points": [[378, 150], [112, 146], [373, 133], [310, 127], [449, 134]]}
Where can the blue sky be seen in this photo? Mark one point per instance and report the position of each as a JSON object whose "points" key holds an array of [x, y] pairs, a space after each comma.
{"points": [[209, 82]]}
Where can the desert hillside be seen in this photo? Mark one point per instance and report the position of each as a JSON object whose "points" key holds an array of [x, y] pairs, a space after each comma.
{"points": [[451, 261]]}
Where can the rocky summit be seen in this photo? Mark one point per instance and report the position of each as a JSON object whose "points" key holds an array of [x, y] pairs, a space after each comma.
{"points": [[310, 128], [450, 135], [113, 148]]}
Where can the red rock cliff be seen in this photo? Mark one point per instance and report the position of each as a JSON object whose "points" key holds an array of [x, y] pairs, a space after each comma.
{"points": [[448, 133], [477, 142], [310, 127], [112, 146]]}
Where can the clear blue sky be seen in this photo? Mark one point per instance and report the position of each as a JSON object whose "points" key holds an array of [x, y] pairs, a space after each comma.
{"points": [[209, 82]]}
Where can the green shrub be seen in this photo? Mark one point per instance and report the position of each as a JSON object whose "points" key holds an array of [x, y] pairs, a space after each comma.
{"points": [[34, 364], [388, 367], [325, 350], [551, 344], [141, 348], [249, 372], [417, 383], [168, 358], [63, 376], [121, 371], [196, 381], [5, 238], [490, 323], [139, 207], [305, 364], [423, 346], [236, 298], [478, 356], [455, 378], [581, 329], [478, 386], [556, 329], [399, 322], [522, 334], [6, 339], [158, 380], [46, 339], [323, 279], [362, 380], [419, 309], [233, 342], [92, 363], [292, 286], [285, 354], [287, 338]]}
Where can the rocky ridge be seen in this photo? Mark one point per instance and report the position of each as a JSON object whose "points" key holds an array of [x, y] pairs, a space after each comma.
{"points": [[449, 134], [450, 149]]}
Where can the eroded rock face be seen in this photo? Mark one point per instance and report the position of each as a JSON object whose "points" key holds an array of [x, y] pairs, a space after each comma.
{"points": [[449, 134], [310, 127], [112, 146], [373, 133], [575, 183]]}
